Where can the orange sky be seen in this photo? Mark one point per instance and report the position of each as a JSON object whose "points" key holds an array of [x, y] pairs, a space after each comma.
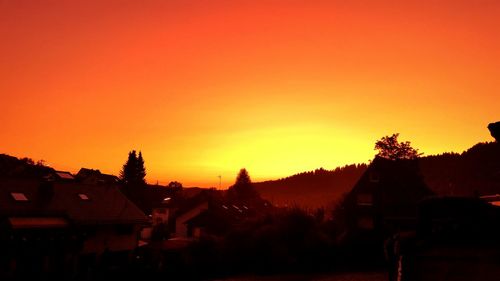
{"points": [[277, 86]]}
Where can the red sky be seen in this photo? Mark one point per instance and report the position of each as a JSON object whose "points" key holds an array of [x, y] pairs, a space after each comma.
{"points": [[205, 88]]}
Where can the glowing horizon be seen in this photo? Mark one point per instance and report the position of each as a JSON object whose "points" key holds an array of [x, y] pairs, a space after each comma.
{"points": [[204, 88]]}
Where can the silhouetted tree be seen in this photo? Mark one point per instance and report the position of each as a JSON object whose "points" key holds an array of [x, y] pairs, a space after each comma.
{"points": [[141, 170], [390, 148], [133, 171], [175, 185], [495, 130], [243, 190], [28, 161]]}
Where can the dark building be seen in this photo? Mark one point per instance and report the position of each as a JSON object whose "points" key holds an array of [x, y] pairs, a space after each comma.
{"points": [[57, 229], [386, 196], [91, 176]]}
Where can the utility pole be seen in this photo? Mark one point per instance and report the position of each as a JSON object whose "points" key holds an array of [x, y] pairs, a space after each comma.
{"points": [[220, 182]]}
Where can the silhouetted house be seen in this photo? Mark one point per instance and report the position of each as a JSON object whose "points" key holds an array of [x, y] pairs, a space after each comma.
{"points": [[182, 229], [458, 238], [210, 213], [216, 219], [53, 226], [59, 176], [386, 196], [191, 208], [156, 197], [63, 175], [161, 204], [90, 176]]}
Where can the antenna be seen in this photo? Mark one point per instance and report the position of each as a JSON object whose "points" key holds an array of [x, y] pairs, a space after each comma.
{"points": [[220, 182]]}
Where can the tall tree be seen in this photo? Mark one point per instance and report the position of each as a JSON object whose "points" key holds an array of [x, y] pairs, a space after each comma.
{"points": [[243, 189], [133, 171], [141, 170], [390, 148]]}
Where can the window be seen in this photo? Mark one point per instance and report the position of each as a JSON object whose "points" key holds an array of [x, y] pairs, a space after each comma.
{"points": [[18, 196], [364, 199], [83, 196], [365, 223], [161, 211], [125, 229], [374, 177]]}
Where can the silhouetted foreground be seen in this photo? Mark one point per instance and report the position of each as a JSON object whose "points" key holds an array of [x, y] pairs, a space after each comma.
{"points": [[394, 219], [350, 276], [457, 238], [472, 172]]}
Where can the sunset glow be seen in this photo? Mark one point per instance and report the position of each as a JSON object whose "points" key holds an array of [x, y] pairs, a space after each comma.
{"points": [[204, 88]]}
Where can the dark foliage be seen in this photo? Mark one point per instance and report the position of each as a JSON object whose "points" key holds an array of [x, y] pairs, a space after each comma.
{"points": [[476, 171], [133, 171], [175, 185], [243, 190], [495, 130], [284, 241], [11, 167], [313, 189], [390, 148]]}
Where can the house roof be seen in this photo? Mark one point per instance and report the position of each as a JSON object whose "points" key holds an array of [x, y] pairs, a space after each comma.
{"points": [[64, 175], [100, 204], [95, 176], [398, 184], [37, 222]]}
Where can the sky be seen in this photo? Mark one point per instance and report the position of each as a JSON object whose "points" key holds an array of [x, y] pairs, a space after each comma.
{"points": [[204, 88]]}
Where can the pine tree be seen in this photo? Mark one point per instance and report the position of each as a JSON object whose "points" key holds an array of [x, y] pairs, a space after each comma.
{"points": [[243, 189], [128, 172], [133, 171], [141, 170]]}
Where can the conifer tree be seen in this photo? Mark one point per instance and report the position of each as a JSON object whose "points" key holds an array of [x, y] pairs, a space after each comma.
{"points": [[133, 171], [243, 189], [141, 170]]}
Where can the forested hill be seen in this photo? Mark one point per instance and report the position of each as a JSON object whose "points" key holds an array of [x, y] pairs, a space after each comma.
{"points": [[476, 171], [311, 189], [22, 168]]}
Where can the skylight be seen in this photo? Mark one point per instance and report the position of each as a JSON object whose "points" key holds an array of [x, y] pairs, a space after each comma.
{"points": [[83, 196], [18, 196]]}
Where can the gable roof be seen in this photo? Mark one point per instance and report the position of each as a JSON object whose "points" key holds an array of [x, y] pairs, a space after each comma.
{"points": [[105, 204], [397, 184], [64, 175], [95, 176]]}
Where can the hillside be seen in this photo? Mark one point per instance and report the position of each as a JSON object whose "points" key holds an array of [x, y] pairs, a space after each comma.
{"points": [[311, 189], [22, 168], [476, 171]]}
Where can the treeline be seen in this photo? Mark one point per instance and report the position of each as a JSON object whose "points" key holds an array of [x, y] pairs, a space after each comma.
{"points": [[26, 168], [287, 241], [474, 172], [313, 189]]}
